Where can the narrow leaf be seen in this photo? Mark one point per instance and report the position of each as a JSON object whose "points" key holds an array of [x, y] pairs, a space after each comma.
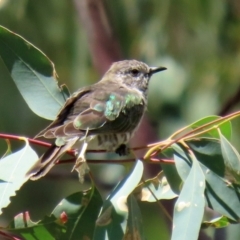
{"points": [[80, 211], [226, 127], [218, 222], [170, 171], [13, 169], [48, 228], [231, 160], [73, 218], [182, 162], [221, 196], [155, 189], [134, 224], [208, 152], [33, 73], [112, 222], [189, 208]]}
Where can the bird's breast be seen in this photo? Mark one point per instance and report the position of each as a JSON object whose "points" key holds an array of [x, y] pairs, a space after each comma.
{"points": [[109, 142]]}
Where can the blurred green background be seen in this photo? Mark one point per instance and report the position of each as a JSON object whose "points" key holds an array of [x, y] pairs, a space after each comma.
{"points": [[198, 41]]}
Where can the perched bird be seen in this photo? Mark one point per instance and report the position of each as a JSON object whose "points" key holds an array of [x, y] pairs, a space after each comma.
{"points": [[101, 116]]}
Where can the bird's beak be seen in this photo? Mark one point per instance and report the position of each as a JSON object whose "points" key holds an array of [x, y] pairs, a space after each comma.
{"points": [[156, 69]]}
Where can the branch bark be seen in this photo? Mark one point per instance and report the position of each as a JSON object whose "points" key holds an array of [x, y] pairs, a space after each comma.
{"points": [[103, 43]]}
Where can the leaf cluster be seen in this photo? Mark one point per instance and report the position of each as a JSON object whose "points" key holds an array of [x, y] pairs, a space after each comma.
{"points": [[200, 168]]}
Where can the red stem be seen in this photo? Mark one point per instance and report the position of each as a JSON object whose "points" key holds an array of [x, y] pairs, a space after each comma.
{"points": [[45, 144], [71, 152], [8, 236]]}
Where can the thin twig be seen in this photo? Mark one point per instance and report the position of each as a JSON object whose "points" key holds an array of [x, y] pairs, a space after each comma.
{"points": [[161, 146], [159, 203], [6, 235]]}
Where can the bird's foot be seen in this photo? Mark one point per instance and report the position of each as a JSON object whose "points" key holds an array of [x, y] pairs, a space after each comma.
{"points": [[122, 150], [81, 165]]}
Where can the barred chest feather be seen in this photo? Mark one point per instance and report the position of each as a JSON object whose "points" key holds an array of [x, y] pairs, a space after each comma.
{"points": [[108, 142]]}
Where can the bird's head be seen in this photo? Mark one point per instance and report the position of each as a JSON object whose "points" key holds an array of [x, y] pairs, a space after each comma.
{"points": [[132, 73]]}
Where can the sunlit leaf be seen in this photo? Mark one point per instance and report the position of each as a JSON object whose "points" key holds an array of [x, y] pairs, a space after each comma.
{"points": [[112, 222], [221, 196], [189, 208], [73, 218], [231, 160], [208, 152], [48, 228], [134, 223], [13, 169], [182, 162], [66, 91], [170, 171], [226, 128], [218, 222], [80, 211], [33, 73], [8, 151], [155, 189]]}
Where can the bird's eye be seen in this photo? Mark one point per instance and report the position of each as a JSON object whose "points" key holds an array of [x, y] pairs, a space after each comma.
{"points": [[134, 72]]}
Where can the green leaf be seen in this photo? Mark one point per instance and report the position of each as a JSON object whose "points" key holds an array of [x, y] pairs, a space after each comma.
{"points": [[158, 186], [33, 73], [81, 210], [170, 171], [208, 152], [13, 171], [66, 91], [218, 222], [182, 162], [225, 128], [49, 228], [189, 208], [73, 218], [231, 160], [112, 222], [134, 224], [9, 150], [220, 196]]}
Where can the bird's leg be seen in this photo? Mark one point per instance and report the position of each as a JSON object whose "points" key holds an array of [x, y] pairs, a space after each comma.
{"points": [[81, 165], [122, 150]]}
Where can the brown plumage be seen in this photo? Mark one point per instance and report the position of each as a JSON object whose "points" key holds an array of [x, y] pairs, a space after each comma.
{"points": [[110, 109]]}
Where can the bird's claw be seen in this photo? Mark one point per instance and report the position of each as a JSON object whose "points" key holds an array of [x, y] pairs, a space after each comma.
{"points": [[81, 165], [122, 150]]}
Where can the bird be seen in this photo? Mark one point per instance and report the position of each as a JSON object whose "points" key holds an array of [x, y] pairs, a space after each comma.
{"points": [[104, 115]]}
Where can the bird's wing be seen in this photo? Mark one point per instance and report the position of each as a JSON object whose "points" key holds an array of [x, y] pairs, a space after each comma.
{"points": [[64, 112], [95, 109]]}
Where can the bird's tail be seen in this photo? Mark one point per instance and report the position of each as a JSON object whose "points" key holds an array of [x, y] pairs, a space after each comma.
{"points": [[49, 158]]}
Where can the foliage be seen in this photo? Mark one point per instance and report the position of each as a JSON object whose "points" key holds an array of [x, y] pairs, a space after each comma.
{"points": [[201, 155]]}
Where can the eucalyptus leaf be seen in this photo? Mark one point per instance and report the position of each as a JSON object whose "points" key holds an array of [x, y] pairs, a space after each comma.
{"points": [[81, 210], [155, 189], [49, 228], [208, 152], [134, 223], [182, 162], [13, 172], [231, 160], [220, 195], [33, 73], [170, 171], [218, 222], [189, 208], [112, 222], [73, 218], [225, 128]]}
